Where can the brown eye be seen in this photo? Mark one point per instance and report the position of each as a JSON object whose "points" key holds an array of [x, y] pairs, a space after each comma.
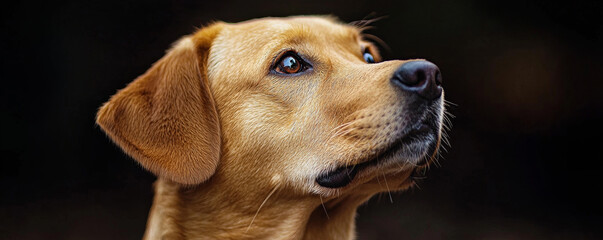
{"points": [[290, 63]]}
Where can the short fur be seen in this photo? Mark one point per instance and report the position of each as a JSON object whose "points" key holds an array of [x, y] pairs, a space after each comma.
{"points": [[237, 147]]}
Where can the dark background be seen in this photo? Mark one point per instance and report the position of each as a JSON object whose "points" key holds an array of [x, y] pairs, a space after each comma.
{"points": [[525, 160]]}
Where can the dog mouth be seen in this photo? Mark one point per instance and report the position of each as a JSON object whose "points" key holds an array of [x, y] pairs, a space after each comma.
{"points": [[405, 146]]}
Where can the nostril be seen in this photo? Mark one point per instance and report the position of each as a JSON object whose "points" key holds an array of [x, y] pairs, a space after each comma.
{"points": [[420, 77], [438, 78]]}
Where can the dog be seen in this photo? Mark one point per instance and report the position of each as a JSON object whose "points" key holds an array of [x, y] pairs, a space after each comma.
{"points": [[275, 128]]}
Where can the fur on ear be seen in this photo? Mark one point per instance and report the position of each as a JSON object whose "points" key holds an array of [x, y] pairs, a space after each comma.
{"points": [[166, 119]]}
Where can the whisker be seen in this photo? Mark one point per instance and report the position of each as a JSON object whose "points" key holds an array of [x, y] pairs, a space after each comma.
{"points": [[446, 117], [449, 103], [362, 29], [365, 22], [323, 207], [400, 166], [340, 129], [261, 205], [342, 126], [445, 141], [387, 186], [436, 161], [343, 133]]}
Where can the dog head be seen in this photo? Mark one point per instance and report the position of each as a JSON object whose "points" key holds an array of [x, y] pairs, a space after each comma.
{"points": [[303, 103]]}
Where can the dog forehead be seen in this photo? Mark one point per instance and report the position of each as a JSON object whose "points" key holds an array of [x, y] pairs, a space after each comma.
{"points": [[264, 31], [317, 22]]}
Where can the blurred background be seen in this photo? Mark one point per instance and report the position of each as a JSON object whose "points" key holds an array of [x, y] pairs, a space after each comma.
{"points": [[525, 77]]}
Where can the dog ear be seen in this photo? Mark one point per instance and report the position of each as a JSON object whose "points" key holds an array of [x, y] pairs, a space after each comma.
{"points": [[166, 119]]}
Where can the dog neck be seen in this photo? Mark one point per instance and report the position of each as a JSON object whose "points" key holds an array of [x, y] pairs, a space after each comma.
{"points": [[208, 211]]}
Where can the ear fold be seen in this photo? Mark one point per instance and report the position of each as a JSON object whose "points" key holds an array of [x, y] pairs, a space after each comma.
{"points": [[166, 119]]}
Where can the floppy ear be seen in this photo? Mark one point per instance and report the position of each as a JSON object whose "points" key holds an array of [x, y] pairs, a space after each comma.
{"points": [[166, 119]]}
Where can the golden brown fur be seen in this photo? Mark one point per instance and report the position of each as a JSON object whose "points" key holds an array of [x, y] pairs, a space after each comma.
{"points": [[237, 148]]}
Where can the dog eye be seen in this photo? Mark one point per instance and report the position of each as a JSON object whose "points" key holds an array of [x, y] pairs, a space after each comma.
{"points": [[290, 63], [368, 57]]}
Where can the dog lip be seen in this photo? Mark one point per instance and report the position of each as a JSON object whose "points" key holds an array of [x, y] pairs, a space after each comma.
{"points": [[340, 177], [343, 176]]}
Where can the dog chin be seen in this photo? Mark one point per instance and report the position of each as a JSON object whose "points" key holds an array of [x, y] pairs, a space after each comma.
{"points": [[417, 151]]}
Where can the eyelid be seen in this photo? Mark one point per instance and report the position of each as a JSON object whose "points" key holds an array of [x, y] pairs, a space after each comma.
{"points": [[280, 55]]}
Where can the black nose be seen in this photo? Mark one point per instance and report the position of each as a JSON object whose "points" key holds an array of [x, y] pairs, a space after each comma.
{"points": [[421, 77]]}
